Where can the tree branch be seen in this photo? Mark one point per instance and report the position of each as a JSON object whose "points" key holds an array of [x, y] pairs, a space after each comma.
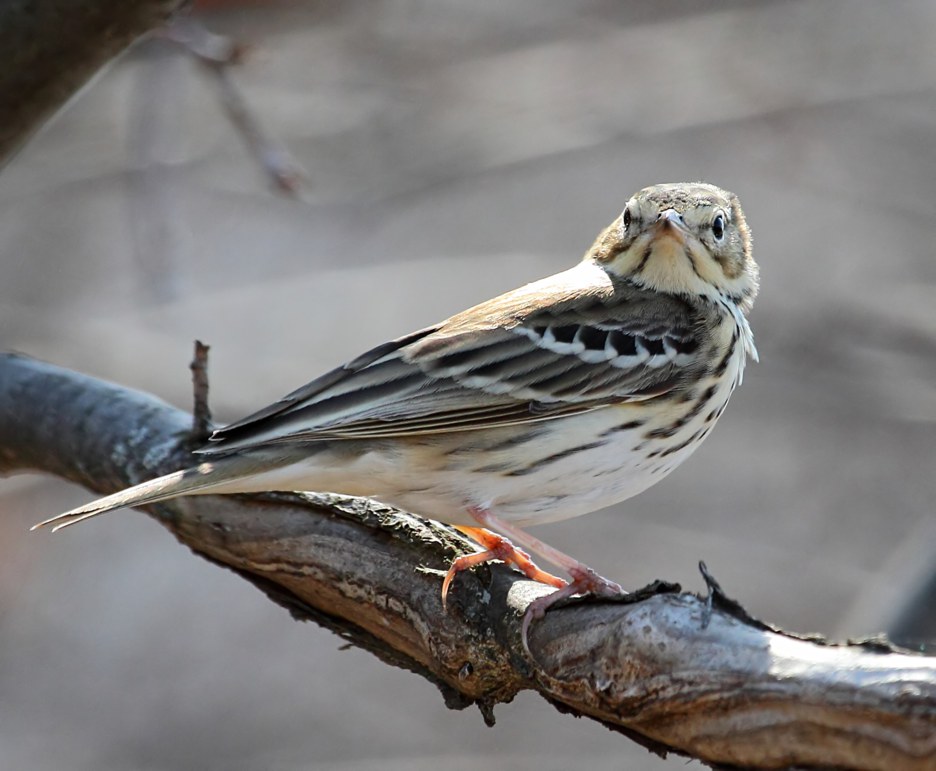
{"points": [[677, 672]]}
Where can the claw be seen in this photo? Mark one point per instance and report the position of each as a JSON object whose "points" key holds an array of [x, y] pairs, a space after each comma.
{"points": [[585, 581]]}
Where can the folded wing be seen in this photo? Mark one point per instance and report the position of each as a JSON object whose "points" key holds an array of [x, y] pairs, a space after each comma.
{"points": [[546, 359]]}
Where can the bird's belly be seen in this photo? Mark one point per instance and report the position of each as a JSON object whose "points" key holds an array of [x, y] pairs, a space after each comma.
{"points": [[563, 469], [530, 474]]}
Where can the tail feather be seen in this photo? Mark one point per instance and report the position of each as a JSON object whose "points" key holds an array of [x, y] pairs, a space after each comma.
{"points": [[204, 478]]}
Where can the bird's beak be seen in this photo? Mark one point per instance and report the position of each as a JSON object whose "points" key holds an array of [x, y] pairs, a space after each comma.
{"points": [[670, 222]]}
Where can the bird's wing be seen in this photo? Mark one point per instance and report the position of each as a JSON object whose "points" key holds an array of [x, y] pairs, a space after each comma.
{"points": [[550, 349]]}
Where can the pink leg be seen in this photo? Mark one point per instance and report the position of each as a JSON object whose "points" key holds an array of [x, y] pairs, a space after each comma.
{"points": [[496, 547], [584, 579]]}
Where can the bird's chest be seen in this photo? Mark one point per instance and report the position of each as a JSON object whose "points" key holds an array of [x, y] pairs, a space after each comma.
{"points": [[590, 461]]}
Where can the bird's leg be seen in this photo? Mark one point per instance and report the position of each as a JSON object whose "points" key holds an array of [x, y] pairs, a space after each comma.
{"points": [[496, 547], [584, 579]]}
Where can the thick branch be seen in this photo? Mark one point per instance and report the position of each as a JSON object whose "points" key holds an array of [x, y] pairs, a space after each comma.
{"points": [[51, 48], [730, 691]]}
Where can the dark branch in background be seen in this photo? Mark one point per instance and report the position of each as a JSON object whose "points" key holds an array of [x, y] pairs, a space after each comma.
{"points": [[51, 48], [677, 672]]}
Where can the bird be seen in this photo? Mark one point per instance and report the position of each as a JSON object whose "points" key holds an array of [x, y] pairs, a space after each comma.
{"points": [[561, 397]]}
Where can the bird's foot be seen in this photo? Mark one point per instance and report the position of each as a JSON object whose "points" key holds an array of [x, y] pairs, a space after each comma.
{"points": [[585, 581], [496, 547]]}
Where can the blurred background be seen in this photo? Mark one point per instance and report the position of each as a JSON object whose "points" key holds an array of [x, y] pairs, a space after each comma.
{"points": [[455, 150]]}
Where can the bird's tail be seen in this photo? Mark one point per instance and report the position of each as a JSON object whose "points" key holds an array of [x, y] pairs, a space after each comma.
{"points": [[215, 476]]}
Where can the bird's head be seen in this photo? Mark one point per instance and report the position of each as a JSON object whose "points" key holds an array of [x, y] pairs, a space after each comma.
{"points": [[686, 239]]}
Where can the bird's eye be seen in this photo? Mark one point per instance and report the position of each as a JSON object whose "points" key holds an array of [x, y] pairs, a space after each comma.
{"points": [[626, 219], [718, 227]]}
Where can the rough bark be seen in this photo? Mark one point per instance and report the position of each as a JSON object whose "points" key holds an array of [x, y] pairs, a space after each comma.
{"points": [[675, 671]]}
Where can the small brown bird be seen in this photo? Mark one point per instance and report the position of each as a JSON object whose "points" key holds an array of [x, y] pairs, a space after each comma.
{"points": [[559, 398]]}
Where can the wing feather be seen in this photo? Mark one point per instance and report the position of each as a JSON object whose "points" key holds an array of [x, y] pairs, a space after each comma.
{"points": [[481, 369]]}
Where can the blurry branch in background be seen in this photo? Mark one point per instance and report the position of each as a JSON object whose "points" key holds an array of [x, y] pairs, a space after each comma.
{"points": [[52, 48], [157, 138], [675, 672], [219, 54]]}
